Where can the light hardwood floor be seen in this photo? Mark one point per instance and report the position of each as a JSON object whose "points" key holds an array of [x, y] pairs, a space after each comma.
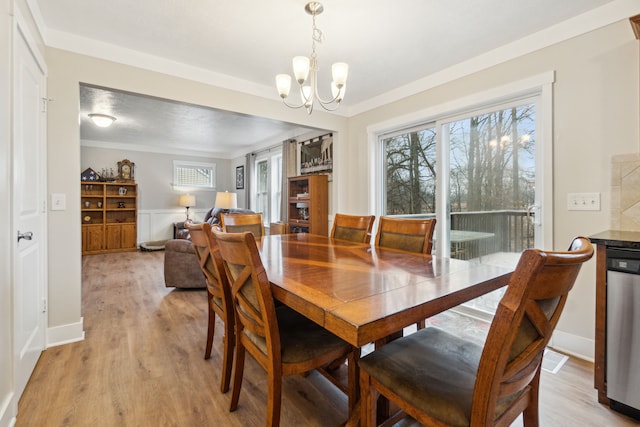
{"points": [[142, 364]]}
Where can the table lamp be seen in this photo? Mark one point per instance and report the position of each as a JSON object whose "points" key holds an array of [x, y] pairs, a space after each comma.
{"points": [[226, 201], [186, 201]]}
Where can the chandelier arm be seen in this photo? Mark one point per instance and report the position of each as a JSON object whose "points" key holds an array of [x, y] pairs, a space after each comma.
{"points": [[295, 107]]}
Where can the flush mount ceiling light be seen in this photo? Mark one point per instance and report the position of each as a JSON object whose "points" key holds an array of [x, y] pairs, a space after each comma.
{"points": [[305, 71], [102, 120]]}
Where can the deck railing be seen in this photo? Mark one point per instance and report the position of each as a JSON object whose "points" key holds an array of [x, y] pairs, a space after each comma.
{"points": [[512, 231]]}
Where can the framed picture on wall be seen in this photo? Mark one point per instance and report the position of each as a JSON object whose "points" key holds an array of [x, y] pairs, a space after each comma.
{"points": [[240, 178]]}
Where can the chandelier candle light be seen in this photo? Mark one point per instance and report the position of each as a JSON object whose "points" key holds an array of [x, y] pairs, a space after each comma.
{"points": [[305, 71]]}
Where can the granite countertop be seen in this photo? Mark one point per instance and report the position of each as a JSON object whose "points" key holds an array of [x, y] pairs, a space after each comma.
{"points": [[617, 238]]}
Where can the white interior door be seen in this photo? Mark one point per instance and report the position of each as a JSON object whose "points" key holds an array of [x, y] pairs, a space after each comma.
{"points": [[29, 211]]}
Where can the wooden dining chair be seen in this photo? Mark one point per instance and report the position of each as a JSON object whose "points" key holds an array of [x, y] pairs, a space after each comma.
{"points": [[352, 227], [278, 228], [443, 380], [412, 235], [281, 340], [218, 296], [238, 223]]}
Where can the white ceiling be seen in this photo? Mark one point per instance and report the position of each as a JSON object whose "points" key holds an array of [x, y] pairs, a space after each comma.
{"points": [[243, 44]]}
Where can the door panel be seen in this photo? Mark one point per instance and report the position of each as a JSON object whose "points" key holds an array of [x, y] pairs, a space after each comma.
{"points": [[29, 214]]}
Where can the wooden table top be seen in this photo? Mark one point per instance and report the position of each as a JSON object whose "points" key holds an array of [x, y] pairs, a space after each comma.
{"points": [[362, 293]]}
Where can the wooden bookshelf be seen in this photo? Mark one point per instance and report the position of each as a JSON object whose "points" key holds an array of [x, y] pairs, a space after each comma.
{"points": [[109, 217]]}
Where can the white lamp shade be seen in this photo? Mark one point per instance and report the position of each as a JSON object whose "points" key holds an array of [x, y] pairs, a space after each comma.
{"points": [[187, 200], [301, 68], [339, 72], [226, 200], [283, 83]]}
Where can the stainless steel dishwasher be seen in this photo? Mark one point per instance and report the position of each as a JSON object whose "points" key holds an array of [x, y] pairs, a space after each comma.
{"points": [[623, 330]]}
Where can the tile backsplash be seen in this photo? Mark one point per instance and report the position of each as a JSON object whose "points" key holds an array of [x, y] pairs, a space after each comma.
{"points": [[625, 192]]}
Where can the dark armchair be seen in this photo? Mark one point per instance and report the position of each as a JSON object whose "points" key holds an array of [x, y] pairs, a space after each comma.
{"points": [[181, 267]]}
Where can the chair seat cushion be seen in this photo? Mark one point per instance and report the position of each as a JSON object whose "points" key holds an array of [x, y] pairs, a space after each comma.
{"points": [[300, 338], [434, 371]]}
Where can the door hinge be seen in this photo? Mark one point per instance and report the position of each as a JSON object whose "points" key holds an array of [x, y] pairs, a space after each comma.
{"points": [[44, 305], [45, 104]]}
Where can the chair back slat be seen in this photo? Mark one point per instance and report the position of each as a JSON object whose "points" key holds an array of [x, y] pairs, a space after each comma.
{"points": [[210, 261], [239, 223], [523, 323], [412, 235], [353, 228]]}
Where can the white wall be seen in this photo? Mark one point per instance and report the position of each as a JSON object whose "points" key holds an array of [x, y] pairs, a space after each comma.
{"points": [[595, 116]]}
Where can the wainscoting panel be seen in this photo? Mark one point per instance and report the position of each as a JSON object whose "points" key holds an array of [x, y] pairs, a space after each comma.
{"points": [[154, 225]]}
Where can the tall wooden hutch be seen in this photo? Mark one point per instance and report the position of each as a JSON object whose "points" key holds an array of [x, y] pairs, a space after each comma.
{"points": [[308, 210]]}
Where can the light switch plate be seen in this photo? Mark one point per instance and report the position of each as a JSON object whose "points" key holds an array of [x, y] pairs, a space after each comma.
{"points": [[583, 201], [58, 201]]}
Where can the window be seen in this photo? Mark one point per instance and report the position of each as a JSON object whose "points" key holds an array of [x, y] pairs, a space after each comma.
{"points": [[410, 166], [268, 186], [488, 176], [194, 175]]}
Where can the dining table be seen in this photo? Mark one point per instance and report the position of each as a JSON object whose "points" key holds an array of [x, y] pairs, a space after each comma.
{"points": [[367, 294], [363, 293]]}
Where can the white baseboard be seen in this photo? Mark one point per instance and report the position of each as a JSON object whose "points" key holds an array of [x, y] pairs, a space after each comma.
{"points": [[580, 347], [65, 334], [7, 411]]}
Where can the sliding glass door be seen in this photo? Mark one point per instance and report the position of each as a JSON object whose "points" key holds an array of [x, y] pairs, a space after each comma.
{"points": [[476, 173]]}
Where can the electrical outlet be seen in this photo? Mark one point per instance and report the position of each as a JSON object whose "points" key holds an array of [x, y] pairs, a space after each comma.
{"points": [[583, 201]]}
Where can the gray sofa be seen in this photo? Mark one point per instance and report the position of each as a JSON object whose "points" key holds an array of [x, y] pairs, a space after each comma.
{"points": [[181, 268]]}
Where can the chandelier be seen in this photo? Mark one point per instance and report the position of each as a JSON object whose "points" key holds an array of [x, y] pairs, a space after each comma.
{"points": [[305, 71]]}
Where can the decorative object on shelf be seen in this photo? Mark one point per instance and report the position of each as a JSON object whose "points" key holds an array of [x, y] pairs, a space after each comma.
{"points": [[87, 218], [125, 171], [186, 201], [121, 205], [316, 155], [226, 200], [108, 175], [122, 191], [99, 205], [240, 178], [303, 210], [304, 67], [102, 120], [87, 205], [89, 175]]}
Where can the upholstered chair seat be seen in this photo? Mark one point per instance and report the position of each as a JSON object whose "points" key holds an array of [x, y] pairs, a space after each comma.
{"points": [[443, 386]]}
